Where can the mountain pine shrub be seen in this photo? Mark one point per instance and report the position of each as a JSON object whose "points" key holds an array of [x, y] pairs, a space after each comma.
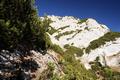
{"points": [[110, 36]]}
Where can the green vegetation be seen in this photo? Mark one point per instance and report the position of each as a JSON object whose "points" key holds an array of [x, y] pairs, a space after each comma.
{"points": [[50, 45], [104, 72], [72, 43], [22, 29], [48, 42], [66, 46], [20, 26], [86, 28], [63, 34], [82, 21], [52, 30], [102, 26], [49, 74], [57, 48], [63, 27], [74, 50], [77, 31], [110, 36], [72, 68]]}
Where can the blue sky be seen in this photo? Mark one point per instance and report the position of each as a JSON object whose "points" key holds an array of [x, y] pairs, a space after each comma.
{"points": [[104, 11]]}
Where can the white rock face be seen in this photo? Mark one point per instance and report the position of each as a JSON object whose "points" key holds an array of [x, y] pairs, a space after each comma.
{"points": [[110, 52], [88, 31], [85, 32]]}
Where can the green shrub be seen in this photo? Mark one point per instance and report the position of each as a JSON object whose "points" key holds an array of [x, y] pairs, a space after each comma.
{"points": [[104, 71], [81, 21], [48, 42], [57, 48], [72, 43], [73, 50], [49, 74], [77, 31], [20, 26], [52, 46], [73, 69], [51, 66], [86, 28], [66, 46], [52, 30], [63, 27], [110, 36], [63, 34]]}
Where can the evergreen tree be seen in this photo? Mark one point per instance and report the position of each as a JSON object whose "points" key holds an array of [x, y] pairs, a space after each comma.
{"points": [[20, 27]]}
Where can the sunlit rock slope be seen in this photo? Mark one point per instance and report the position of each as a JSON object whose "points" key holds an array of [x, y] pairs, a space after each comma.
{"points": [[95, 39]]}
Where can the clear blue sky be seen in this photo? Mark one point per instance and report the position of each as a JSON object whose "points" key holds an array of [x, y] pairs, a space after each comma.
{"points": [[104, 11]]}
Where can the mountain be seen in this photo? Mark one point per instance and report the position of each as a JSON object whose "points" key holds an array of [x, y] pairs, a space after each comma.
{"points": [[94, 41], [77, 49], [87, 34]]}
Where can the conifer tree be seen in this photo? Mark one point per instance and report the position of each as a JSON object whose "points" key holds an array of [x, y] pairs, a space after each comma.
{"points": [[20, 26]]}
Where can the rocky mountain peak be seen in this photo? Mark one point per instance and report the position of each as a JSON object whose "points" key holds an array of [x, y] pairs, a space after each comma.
{"points": [[94, 38], [79, 32]]}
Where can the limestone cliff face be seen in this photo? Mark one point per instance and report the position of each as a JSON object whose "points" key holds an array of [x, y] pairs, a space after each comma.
{"points": [[80, 33], [75, 31]]}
